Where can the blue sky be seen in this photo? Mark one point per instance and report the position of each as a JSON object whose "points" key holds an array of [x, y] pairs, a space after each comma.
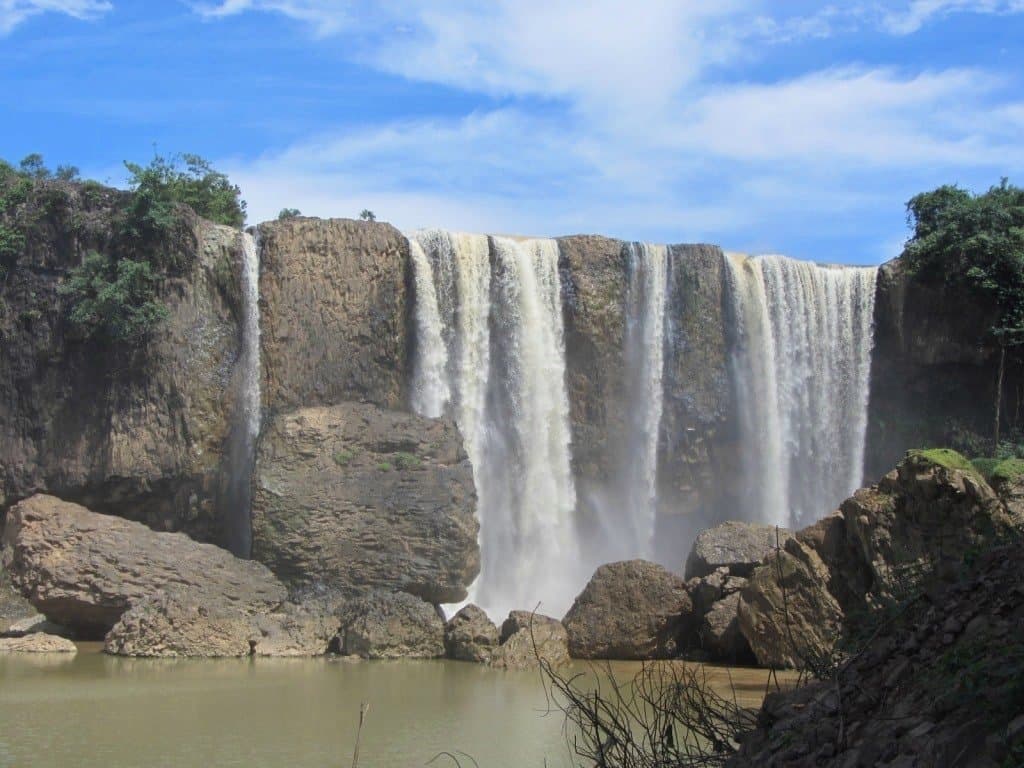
{"points": [[793, 127]]}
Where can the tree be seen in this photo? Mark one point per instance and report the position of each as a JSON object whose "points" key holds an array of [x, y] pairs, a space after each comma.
{"points": [[367, 215], [975, 244], [33, 165], [206, 191], [288, 213]]}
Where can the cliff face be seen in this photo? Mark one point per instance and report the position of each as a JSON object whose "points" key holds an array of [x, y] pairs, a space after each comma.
{"points": [[334, 313], [933, 377], [138, 433], [697, 441]]}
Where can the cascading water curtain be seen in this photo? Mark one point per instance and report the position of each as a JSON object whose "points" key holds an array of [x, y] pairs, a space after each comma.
{"points": [[237, 501], [507, 392], [643, 353], [802, 372]]}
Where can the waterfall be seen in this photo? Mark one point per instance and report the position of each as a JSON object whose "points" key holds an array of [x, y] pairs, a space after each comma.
{"points": [[647, 272], [801, 370], [501, 322], [246, 427], [430, 391]]}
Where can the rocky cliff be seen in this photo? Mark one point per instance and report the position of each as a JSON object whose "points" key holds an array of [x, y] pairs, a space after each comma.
{"points": [[137, 432], [933, 371]]}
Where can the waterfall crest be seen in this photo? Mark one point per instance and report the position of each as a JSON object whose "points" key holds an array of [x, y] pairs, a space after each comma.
{"points": [[647, 274], [246, 427], [500, 311], [801, 370]]}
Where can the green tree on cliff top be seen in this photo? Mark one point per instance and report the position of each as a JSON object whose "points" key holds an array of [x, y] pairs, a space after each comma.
{"points": [[975, 243], [191, 180]]}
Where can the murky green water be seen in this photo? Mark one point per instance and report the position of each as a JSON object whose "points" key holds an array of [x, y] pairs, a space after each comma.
{"points": [[96, 710]]}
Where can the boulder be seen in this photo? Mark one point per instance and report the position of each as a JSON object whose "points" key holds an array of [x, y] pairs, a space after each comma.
{"points": [[629, 610], [720, 635], [31, 625], [173, 624], [707, 590], [13, 607], [39, 642], [470, 635], [83, 570], [353, 498], [740, 547], [526, 638], [391, 625], [786, 612], [925, 516]]}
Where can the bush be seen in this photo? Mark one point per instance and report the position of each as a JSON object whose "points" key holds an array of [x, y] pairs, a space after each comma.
{"points": [[206, 191], [288, 213], [115, 299]]}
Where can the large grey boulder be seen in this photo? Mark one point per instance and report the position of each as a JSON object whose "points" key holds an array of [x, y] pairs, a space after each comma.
{"points": [[720, 635], [629, 610], [83, 570], [786, 612], [470, 635], [391, 625], [173, 624], [527, 639], [740, 547], [355, 498]]}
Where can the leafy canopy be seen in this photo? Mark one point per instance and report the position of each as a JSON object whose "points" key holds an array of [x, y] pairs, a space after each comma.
{"points": [[114, 298], [208, 192], [975, 242]]}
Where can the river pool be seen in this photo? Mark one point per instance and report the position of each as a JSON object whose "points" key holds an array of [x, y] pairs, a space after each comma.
{"points": [[97, 710]]}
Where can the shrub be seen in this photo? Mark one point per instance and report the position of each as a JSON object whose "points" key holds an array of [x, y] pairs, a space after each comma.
{"points": [[404, 460], [367, 215], [344, 457], [115, 299], [288, 213], [384, 466], [206, 191], [1007, 470]]}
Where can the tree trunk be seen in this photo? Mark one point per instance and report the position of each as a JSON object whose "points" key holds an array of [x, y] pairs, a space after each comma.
{"points": [[999, 395]]}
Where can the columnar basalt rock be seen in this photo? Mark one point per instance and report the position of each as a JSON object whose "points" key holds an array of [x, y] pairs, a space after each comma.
{"points": [[354, 498], [335, 312]]}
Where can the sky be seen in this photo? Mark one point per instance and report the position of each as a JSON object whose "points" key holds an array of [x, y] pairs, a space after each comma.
{"points": [[764, 126]]}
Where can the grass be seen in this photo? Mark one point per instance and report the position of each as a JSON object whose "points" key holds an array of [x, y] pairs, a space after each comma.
{"points": [[949, 459], [384, 466]]}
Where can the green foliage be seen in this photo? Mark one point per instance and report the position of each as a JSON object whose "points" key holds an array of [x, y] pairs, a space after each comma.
{"points": [[288, 213], [986, 466], [1008, 469], [344, 457], [384, 466], [114, 299], [34, 167], [367, 215], [404, 460], [163, 182], [66, 173], [975, 242]]}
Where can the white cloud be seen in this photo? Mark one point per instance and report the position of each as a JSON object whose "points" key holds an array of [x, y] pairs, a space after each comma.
{"points": [[14, 12], [920, 12]]}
